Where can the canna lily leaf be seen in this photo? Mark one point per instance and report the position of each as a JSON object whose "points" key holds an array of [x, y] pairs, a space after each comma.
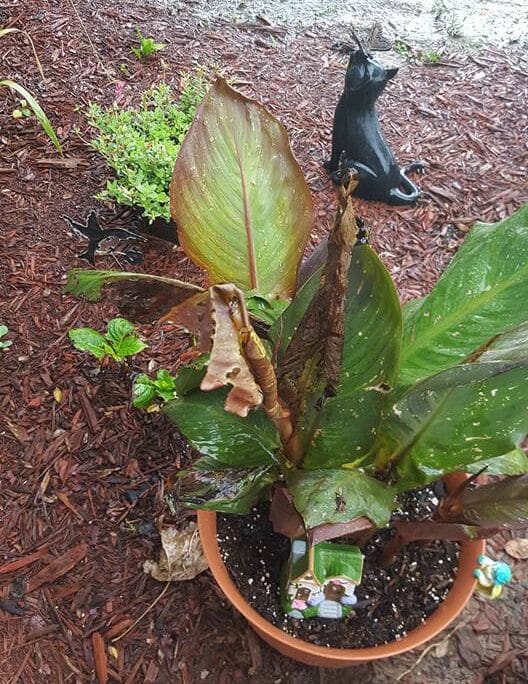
{"points": [[263, 308], [347, 425], [282, 330], [238, 196], [464, 415], [513, 463], [501, 504], [483, 292], [339, 496], [228, 440], [226, 491], [149, 297], [342, 358], [227, 365]]}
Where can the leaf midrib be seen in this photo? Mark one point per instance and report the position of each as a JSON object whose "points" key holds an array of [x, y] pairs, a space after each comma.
{"points": [[437, 329], [252, 262]]}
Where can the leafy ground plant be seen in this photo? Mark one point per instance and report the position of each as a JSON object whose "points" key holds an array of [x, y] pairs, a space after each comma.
{"points": [[140, 144], [346, 399], [431, 57], [147, 46], [4, 344], [27, 97], [118, 343]]}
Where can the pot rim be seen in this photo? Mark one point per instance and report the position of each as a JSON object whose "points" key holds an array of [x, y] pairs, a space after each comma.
{"points": [[445, 613]]}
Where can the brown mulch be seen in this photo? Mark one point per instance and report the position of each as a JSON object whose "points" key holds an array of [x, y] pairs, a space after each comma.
{"points": [[83, 476]]}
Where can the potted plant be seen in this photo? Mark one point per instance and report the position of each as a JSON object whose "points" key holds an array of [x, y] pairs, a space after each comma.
{"points": [[323, 397]]}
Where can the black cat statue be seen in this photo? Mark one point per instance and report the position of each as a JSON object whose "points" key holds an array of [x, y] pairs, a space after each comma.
{"points": [[357, 140]]}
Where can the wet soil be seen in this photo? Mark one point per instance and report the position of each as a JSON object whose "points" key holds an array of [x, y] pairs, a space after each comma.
{"points": [[391, 601]]}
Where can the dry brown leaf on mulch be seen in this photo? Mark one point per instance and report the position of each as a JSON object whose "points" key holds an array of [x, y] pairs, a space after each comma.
{"points": [[517, 548], [181, 555]]}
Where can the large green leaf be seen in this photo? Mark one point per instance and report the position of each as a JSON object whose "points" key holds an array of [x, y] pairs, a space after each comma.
{"points": [[282, 330], [226, 491], [238, 196], [339, 495], [152, 295], [347, 423], [483, 292], [228, 440], [513, 463], [466, 414]]}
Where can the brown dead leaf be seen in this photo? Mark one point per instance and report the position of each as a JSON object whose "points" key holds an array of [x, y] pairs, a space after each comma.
{"points": [[327, 531], [517, 548], [228, 365], [181, 556]]}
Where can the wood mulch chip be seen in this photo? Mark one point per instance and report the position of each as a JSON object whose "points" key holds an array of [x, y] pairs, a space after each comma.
{"points": [[84, 477]]}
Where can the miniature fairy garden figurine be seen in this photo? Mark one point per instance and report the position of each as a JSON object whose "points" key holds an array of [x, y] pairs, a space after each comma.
{"points": [[320, 580], [491, 576]]}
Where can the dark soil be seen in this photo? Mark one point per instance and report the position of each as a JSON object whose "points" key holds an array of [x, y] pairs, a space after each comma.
{"points": [[391, 601]]}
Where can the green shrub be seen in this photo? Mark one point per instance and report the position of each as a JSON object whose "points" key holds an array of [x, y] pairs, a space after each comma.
{"points": [[141, 143]]}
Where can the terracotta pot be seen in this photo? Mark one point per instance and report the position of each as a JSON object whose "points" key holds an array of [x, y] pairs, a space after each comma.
{"points": [[321, 656]]}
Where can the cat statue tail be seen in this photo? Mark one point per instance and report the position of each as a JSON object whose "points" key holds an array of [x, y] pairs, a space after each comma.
{"points": [[410, 192]]}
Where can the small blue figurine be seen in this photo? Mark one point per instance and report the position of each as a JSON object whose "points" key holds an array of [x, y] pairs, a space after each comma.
{"points": [[491, 576]]}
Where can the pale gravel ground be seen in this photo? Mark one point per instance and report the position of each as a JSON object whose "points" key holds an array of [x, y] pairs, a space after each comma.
{"points": [[421, 23]]}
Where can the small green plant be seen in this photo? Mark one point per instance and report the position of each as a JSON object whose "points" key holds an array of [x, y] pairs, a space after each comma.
{"points": [[4, 344], [30, 103], [431, 57], [146, 391], [402, 49], [21, 111], [119, 342], [147, 46], [141, 143]]}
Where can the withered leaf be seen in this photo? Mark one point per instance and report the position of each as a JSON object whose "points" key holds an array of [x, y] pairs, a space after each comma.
{"points": [[310, 368], [227, 365], [517, 548], [181, 556]]}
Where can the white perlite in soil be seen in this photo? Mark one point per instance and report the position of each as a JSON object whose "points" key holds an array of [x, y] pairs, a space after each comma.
{"points": [[422, 23]]}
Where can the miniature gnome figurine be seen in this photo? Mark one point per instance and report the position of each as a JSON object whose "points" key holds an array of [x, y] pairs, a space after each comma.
{"points": [[491, 576]]}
